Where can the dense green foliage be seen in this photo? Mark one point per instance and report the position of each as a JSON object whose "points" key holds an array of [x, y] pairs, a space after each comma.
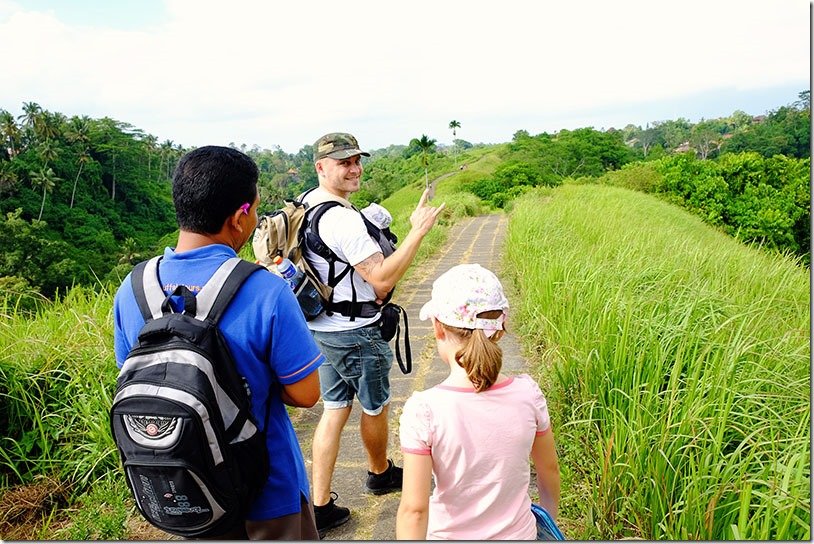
{"points": [[73, 190], [548, 159], [785, 131], [756, 199], [82, 199], [678, 364], [749, 176]]}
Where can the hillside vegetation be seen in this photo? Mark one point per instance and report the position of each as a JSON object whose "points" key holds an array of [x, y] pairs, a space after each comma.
{"points": [[678, 362]]}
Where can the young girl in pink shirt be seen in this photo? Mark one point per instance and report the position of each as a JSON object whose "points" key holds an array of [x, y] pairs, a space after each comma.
{"points": [[475, 431]]}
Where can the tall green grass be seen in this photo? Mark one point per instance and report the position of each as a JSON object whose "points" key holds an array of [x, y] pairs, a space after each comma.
{"points": [[680, 361], [57, 374]]}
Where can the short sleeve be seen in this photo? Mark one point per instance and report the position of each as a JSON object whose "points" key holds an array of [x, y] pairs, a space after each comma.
{"points": [[294, 353], [414, 427], [344, 231], [540, 404]]}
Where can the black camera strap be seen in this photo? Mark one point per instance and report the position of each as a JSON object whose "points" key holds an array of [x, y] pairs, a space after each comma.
{"points": [[408, 367], [390, 326]]}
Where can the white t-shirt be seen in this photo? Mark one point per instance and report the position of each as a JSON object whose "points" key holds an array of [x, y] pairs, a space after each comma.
{"points": [[344, 231], [480, 445]]}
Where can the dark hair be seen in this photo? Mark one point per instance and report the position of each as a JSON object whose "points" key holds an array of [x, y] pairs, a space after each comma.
{"points": [[209, 184]]}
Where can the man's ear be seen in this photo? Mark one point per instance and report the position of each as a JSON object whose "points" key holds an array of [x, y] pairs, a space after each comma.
{"points": [[233, 221]]}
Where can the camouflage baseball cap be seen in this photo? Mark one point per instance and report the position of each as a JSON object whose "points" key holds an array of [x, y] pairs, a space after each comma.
{"points": [[337, 145]]}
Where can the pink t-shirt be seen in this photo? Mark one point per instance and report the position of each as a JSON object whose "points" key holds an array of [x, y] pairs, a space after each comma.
{"points": [[480, 445]]}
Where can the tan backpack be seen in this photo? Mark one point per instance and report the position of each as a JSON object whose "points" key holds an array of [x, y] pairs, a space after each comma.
{"points": [[282, 233]]}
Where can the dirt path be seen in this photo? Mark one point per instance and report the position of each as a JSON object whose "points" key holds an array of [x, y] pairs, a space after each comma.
{"points": [[474, 240]]}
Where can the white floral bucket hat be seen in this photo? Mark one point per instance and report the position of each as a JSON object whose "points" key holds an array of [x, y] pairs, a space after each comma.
{"points": [[463, 292]]}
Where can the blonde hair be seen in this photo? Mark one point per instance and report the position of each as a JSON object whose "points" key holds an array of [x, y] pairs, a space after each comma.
{"points": [[480, 356]]}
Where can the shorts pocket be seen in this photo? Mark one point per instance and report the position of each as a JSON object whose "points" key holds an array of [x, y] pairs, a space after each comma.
{"points": [[344, 354]]}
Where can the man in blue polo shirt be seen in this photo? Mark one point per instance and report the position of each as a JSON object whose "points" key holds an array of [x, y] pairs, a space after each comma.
{"points": [[215, 196]]}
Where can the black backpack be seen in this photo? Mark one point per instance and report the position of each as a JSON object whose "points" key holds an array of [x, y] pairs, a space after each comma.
{"points": [[193, 456], [310, 237], [389, 322], [289, 230]]}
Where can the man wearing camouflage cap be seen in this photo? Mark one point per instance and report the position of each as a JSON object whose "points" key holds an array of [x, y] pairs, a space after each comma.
{"points": [[358, 360]]}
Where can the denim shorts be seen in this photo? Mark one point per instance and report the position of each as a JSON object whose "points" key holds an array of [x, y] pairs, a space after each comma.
{"points": [[357, 362]]}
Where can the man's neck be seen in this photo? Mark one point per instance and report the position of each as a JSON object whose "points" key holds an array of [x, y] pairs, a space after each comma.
{"points": [[340, 194], [188, 241]]}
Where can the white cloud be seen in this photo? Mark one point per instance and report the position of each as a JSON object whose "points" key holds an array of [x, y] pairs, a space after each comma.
{"points": [[285, 72]]}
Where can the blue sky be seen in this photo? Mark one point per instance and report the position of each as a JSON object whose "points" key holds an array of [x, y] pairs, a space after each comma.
{"points": [[282, 73]]}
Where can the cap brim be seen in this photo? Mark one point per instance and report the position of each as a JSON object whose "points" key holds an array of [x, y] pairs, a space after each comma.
{"points": [[347, 153], [427, 311]]}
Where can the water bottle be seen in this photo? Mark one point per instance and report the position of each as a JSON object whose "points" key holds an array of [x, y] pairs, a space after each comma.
{"points": [[289, 272], [307, 295]]}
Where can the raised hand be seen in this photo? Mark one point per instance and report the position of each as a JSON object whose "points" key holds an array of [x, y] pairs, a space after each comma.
{"points": [[423, 217]]}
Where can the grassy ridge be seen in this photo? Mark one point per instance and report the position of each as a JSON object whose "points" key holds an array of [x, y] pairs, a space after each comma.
{"points": [[680, 366]]}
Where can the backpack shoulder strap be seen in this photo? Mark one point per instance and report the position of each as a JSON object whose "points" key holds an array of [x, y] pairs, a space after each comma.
{"points": [[315, 213], [216, 295], [323, 196], [147, 289], [305, 193], [314, 242]]}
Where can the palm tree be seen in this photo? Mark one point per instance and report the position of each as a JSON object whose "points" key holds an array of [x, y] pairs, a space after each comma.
{"points": [[31, 112], [427, 146], [150, 143], [47, 179], [78, 130], [31, 118], [50, 125], [113, 180], [109, 140], [8, 177], [10, 132], [166, 149], [454, 125], [84, 158], [48, 152]]}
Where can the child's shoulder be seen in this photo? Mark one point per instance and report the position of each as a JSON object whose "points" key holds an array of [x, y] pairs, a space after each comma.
{"points": [[526, 382], [420, 398], [420, 403]]}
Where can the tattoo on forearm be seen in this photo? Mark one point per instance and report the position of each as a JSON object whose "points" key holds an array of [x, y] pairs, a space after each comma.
{"points": [[368, 264]]}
